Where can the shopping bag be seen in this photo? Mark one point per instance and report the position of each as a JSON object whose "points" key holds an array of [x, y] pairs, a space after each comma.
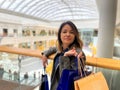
{"points": [[68, 76], [95, 81], [67, 80], [44, 82]]}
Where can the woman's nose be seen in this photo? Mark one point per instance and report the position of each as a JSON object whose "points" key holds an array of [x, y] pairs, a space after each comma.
{"points": [[68, 33]]}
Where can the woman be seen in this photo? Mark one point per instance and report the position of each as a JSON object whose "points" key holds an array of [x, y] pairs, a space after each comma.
{"points": [[69, 47]]}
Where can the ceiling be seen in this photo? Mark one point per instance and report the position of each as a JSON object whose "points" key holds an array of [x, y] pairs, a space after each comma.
{"points": [[51, 10], [54, 10]]}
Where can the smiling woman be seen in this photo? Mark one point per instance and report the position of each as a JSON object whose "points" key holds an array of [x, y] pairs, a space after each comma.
{"points": [[67, 36], [69, 48]]}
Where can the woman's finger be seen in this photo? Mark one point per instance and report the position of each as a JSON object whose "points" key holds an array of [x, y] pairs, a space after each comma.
{"points": [[80, 55]]}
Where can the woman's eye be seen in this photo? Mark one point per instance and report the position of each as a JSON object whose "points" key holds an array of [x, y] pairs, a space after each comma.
{"points": [[72, 32], [64, 32]]}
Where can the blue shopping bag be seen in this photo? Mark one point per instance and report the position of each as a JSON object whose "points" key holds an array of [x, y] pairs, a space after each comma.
{"points": [[68, 76], [44, 82], [67, 79]]}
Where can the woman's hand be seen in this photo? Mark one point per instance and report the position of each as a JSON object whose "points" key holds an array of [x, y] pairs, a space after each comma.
{"points": [[44, 60], [71, 52], [80, 55]]}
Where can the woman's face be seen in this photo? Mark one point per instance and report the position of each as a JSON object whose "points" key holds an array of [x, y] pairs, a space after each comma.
{"points": [[67, 36]]}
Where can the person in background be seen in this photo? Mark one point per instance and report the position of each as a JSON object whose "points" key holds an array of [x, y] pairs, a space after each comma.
{"points": [[34, 75], [1, 71], [10, 74], [69, 47], [5, 33], [26, 75], [15, 76]]}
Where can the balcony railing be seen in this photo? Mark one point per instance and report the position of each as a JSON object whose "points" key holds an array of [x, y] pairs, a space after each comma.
{"points": [[111, 66], [92, 61]]}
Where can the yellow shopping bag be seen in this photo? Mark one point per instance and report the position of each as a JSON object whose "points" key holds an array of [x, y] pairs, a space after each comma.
{"points": [[95, 81]]}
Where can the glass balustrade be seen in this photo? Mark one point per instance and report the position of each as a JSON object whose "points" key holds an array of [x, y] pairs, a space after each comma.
{"points": [[26, 71], [21, 70]]}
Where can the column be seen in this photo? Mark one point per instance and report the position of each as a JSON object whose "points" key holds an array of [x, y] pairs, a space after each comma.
{"points": [[107, 19]]}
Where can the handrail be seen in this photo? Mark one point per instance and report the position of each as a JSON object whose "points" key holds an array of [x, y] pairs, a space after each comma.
{"points": [[21, 51], [103, 62], [92, 61]]}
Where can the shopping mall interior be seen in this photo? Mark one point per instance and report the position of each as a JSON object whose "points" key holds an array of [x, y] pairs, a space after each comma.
{"points": [[34, 24]]}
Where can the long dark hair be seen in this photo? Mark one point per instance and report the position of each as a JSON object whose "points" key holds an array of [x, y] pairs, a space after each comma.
{"points": [[77, 42]]}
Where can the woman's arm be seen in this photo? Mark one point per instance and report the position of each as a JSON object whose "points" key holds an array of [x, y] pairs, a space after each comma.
{"points": [[47, 53]]}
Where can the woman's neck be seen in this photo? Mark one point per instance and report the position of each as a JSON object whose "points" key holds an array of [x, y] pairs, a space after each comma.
{"points": [[65, 46]]}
